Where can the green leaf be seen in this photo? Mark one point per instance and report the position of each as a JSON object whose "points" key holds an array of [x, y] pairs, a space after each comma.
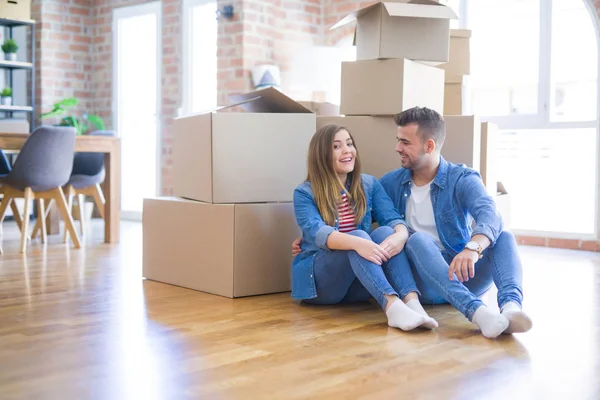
{"points": [[54, 113], [66, 103], [96, 121]]}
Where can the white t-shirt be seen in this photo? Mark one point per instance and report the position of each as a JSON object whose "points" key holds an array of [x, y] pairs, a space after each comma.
{"points": [[419, 211]]}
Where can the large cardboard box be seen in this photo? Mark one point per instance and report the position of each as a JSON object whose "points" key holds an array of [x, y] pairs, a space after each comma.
{"points": [[459, 63], [463, 140], [387, 87], [19, 10], [489, 151], [375, 139], [243, 157], [413, 29], [231, 250]]}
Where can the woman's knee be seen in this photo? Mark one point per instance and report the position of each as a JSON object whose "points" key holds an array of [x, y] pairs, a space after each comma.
{"points": [[381, 233], [360, 233]]}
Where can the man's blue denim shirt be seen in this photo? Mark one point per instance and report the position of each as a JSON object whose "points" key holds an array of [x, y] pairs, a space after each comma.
{"points": [[315, 231], [458, 197]]}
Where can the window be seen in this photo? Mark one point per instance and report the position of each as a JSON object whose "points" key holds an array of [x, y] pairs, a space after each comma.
{"points": [[536, 79], [199, 55]]}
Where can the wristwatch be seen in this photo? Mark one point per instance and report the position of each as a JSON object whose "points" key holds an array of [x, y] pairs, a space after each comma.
{"points": [[474, 246]]}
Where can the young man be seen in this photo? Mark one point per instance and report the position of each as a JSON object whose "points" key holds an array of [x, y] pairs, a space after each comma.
{"points": [[452, 261], [439, 200]]}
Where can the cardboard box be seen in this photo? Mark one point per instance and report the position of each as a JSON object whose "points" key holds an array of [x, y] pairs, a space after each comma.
{"points": [[230, 250], [503, 205], [387, 87], [459, 63], [321, 108], [19, 10], [413, 29], [463, 140], [243, 157], [375, 139], [489, 149]]}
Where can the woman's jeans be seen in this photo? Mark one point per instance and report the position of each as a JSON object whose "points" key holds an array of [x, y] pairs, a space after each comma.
{"points": [[345, 276], [500, 265]]}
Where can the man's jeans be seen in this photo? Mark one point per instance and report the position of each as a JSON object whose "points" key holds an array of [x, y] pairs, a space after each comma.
{"points": [[345, 276], [500, 265]]}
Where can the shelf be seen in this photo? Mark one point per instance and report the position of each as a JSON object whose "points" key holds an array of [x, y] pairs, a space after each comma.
{"points": [[15, 64], [14, 22], [15, 109]]}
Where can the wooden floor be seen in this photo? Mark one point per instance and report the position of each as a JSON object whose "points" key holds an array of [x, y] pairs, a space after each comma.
{"points": [[83, 324]]}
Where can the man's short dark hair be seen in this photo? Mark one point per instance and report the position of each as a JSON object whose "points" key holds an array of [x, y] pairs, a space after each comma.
{"points": [[430, 123]]}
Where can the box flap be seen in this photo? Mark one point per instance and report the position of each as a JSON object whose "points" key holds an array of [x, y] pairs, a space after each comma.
{"points": [[215, 109], [354, 15], [419, 9], [463, 33], [268, 100]]}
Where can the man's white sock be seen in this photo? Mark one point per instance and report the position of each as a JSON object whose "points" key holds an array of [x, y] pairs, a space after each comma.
{"points": [[490, 322], [400, 316], [518, 320], [415, 305]]}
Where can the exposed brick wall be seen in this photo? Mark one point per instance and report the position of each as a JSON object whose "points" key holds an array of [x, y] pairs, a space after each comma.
{"points": [[63, 53]]}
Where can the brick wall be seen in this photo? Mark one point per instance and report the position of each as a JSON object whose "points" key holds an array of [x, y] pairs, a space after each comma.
{"points": [[63, 53]]}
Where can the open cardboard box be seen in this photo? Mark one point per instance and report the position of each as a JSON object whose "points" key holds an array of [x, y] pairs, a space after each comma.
{"points": [[243, 157], [413, 29]]}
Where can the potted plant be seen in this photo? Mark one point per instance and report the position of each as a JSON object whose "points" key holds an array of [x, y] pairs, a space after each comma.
{"points": [[6, 96], [81, 125], [10, 47]]}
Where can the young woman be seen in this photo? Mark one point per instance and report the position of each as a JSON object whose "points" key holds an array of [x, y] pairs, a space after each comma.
{"points": [[341, 258]]}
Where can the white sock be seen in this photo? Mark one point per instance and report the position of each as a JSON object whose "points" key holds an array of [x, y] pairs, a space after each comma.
{"points": [[400, 316], [518, 320], [490, 322], [415, 305]]}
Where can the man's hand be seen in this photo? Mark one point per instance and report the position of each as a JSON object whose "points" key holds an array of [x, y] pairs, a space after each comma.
{"points": [[463, 265], [296, 247], [394, 243]]}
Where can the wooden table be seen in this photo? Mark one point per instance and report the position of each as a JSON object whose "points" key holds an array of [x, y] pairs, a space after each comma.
{"points": [[111, 147]]}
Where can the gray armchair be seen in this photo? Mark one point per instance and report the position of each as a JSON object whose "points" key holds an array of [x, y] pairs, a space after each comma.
{"points": [[43, 166]]}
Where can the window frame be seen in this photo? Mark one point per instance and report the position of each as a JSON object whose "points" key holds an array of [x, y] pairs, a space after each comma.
{"points": [[541, 120], [187, 101]]}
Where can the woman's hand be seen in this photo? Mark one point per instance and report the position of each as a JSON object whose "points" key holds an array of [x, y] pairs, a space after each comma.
{"points": [[394, 243], [371, 251]]}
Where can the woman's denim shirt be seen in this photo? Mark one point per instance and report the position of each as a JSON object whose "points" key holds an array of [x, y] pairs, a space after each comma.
{"points": [[315, 231]]}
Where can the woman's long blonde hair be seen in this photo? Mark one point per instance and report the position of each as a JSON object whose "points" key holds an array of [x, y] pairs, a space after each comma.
{"points": [[325, 184]]}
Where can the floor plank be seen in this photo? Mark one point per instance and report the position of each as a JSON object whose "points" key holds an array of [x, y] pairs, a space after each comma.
{"points": [[84, 324]]}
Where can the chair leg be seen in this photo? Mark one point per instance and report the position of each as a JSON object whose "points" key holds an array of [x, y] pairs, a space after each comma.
{"points": [[25, 221], [98, 198], [70, 193], [61, 202], [3, 206], [38, 223], [16, 214], [42, 219], [81, 202]]}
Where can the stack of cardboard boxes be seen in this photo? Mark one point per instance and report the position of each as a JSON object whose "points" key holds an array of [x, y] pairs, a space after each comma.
{"points": [[229, 229]]}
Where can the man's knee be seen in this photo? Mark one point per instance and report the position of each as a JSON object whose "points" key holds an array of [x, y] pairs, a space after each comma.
{"points": [[382, 233], [506, 239], [419, 240], [360, 233]]}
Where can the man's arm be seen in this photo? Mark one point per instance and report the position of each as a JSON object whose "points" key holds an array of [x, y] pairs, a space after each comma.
{"points": [[476, 201]]}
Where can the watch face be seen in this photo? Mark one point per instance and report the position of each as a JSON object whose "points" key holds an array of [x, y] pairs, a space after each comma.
{"points": [[471, 246]]}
